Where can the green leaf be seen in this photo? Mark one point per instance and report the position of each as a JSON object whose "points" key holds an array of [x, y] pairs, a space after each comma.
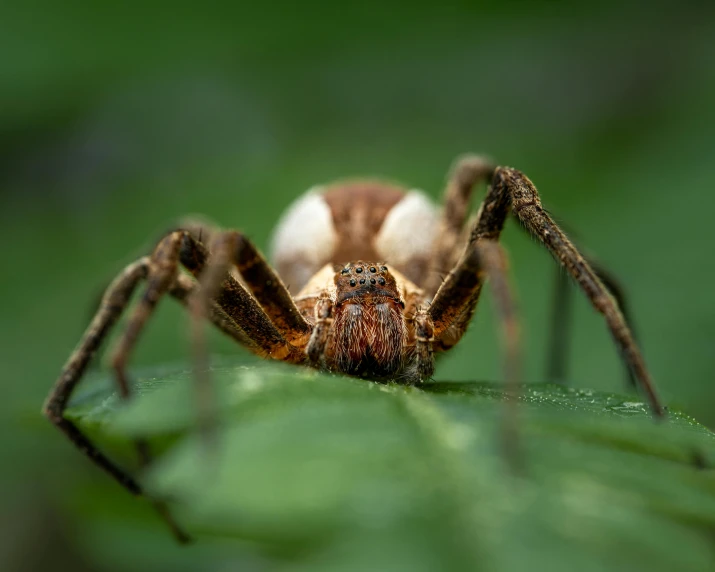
{"points": [[323, 472]]}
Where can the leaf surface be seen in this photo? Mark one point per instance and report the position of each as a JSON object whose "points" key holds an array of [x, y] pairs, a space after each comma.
{"points": [[324, 472]]}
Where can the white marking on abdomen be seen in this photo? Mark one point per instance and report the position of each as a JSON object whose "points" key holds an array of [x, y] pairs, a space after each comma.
{"points": [[304, 239], [408, 231]]}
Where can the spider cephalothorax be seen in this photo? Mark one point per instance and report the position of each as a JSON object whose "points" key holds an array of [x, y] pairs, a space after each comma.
{"points": [[330, 304], [369, 335]]}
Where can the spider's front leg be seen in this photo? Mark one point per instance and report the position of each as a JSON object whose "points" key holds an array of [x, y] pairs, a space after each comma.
{"points": [[455, 301], [113, 304], [264, 320], [231, 249], [519, 192], [263, 308], [161, 273], [467, 172]]}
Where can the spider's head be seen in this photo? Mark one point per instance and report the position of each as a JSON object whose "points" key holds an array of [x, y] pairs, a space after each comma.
{"points": [[369, 328], [361, 282]]}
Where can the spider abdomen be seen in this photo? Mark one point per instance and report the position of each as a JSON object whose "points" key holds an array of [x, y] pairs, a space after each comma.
{"points": [[349, 220]]}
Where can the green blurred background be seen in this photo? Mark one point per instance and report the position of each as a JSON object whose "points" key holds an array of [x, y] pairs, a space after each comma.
{"points": [[116, 120]]}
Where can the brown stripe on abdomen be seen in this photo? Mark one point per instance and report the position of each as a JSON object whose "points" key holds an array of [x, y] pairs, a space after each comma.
{"points": [[359, 209]]}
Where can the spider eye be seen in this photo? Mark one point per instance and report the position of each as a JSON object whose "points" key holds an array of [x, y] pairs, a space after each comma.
{"points": [[362, 281], [383, 268], [345, 271], [381, 281], [358, 269], [373, 269], [372, 280], [352, 282]]}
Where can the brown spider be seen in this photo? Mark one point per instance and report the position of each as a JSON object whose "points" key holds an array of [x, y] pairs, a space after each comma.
{"points": [[364, 263]]}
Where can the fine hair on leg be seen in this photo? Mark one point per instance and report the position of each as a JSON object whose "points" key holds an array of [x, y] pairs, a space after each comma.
{"points": [[266, 313], [160, 270], [466, 172], [513, 188], [113, 304], [561, 325], [455, 301]]}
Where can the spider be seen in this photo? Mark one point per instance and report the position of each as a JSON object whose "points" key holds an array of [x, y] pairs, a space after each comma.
{"points": [[370, 280]]}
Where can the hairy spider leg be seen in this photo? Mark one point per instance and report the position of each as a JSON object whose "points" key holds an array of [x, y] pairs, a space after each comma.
{"points": [[511, 189], [267, 313], [526, 204], [250, 328], [259, 313], [424, 344], [561, 323], [466, 172], [452, 308], [267, 287], [218, 286], [113, 304], [184, 288], [262, 308], [323, 313]]}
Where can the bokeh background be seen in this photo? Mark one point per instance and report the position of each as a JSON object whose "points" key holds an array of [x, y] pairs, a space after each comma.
{"points": [[116, 119]]}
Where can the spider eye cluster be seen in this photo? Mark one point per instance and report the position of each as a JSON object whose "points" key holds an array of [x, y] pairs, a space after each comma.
{"points": [[364, 275]]}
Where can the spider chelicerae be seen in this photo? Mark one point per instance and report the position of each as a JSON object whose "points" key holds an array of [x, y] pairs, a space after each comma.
{"points": [[370, 280]]}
